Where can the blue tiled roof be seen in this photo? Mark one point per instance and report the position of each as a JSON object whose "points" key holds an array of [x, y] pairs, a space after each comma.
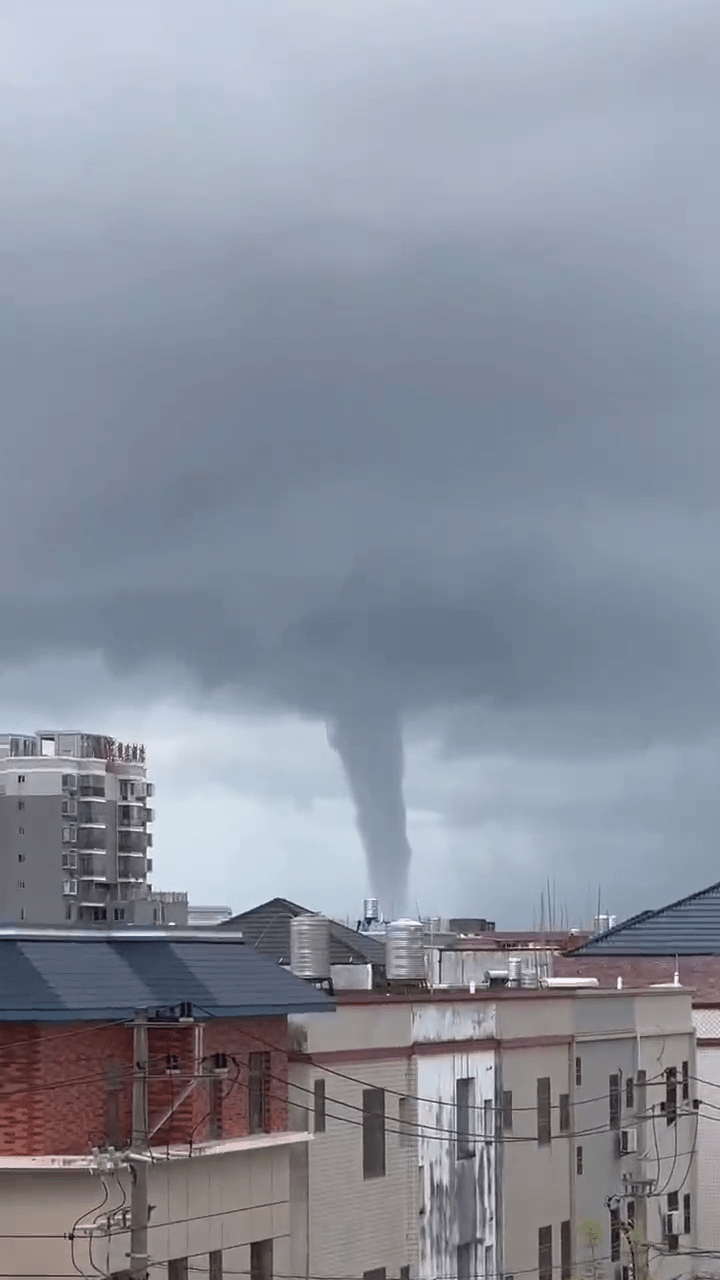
{"points": [[67, 977], [688, 927]]}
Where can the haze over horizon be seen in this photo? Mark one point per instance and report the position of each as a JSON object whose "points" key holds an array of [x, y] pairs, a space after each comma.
{"points": [[360, 369]]}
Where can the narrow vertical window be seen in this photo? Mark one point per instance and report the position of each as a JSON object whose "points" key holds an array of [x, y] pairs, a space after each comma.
{"points": [[373, 1133], [544, 1131], [578, 1072], [261, 1260], [566, 1250], [564, 1116], [319, 1108], [259, 1099], [671, 1095], [545, 1259], [465, 1117], [578, 1161], [615, 1104], [507, 1111]]}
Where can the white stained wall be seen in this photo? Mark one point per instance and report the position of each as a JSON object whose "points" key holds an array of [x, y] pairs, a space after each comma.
{"points": [[456, 1196], [707, 1088]]}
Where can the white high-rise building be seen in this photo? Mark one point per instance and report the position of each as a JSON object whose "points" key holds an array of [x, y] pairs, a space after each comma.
{"points": [[75, 816]]}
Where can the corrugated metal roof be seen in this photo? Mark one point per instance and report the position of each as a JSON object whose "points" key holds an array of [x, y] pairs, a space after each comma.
{"points": [[266, 928], [688, 927], [66, 978]]}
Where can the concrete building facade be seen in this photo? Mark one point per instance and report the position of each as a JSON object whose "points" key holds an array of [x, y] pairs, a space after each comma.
{"points": [[515, 1128], [75, 833]]}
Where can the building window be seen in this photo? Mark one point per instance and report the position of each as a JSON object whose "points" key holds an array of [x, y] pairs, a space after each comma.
{"points": [[578, 1161], [421, 1188], [21, 884], [566, 1250], [544, 1131], [631, 1214], [687, 1215], [545, 1263], [466, 1268], [615, 1104], [21, 777], [22, 913], [215, 1265], [261, 1260], [21, 857], [178, 1269], [21, 831], [407, 1125], [464, 1117], [319, 1108], [685, 1082], [377, 1274], [671, 1095], [68, 913], [119, 913], [373, 1133], [507, 1111], [673, 1201], [629, 1093], [404, 1273], [215, 1107], [578, 1071], [614, 1235], [21, 804], [564, 1118], [259, 1092]]}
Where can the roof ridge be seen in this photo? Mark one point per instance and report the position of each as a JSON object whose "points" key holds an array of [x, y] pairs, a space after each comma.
{"points": [[644, 916]]}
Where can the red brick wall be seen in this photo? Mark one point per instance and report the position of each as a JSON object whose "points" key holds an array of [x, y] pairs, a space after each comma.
{"points": [[65, 1089]]}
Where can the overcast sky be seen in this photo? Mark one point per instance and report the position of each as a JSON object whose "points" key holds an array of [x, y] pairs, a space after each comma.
{"points": [[372, 347]]}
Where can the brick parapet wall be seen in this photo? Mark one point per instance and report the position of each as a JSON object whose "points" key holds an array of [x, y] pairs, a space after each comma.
{"points": [[65, 1089]]}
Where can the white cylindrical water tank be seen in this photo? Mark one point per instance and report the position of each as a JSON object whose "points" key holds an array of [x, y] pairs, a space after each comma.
{"points": [[514, 971], [371, 909], [310, 947], [405, 951]]}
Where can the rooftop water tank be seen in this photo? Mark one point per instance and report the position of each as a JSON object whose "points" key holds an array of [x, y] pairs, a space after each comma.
{"points": [[405, 951], [310, 947], [514, 971], [371, 909]]}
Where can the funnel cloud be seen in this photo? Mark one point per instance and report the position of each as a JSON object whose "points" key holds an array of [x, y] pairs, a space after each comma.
{"points": [[370, 746]]}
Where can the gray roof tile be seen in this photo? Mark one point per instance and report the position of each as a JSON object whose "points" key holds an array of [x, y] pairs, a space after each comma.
{"points": [[688, 927], [68, 978], [266, 928]]}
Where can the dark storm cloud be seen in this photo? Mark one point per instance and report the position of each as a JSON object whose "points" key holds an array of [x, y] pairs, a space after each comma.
{"points": [[370, 348]]}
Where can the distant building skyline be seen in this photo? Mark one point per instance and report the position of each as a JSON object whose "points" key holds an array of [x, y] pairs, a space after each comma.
{"points": [[74, 833]]}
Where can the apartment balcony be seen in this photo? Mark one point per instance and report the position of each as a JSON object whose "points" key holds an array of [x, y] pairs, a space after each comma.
{"points": [[92, 838], [92, 866], [90, 786], [133, 842], [133, 815], [133, 868], [91, 812]]}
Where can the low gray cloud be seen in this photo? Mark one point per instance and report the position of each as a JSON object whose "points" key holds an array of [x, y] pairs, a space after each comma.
{"points": [[375, 353]]}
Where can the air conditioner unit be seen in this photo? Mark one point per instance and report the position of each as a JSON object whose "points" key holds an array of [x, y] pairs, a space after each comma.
{"points": [[628, 1141], [70, 888]]}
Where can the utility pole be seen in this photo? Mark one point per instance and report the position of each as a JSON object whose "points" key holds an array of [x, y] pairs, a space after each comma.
{"points": [[138, 1156]]}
